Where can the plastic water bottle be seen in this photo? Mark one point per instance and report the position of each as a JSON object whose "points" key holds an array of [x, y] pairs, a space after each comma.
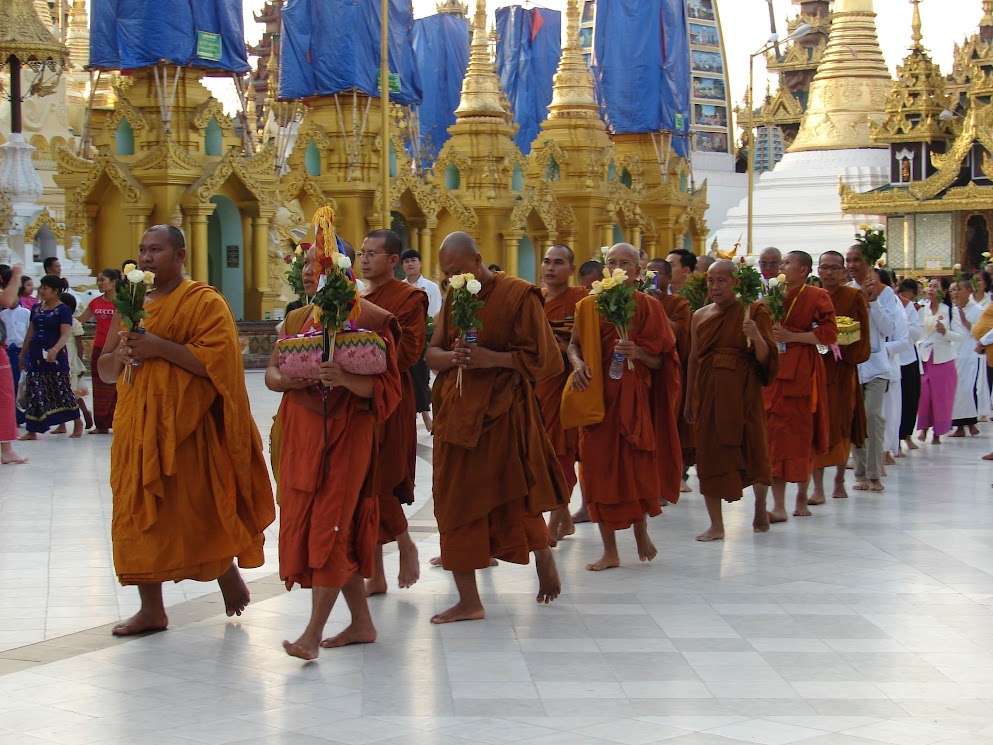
{"points": [[616, 366], [139, 330], [470, 335]]}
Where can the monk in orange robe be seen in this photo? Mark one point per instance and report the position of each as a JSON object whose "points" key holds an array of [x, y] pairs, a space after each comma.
{"points": [[557, 267], [328, 453], [630, 463], [733, 355], [677, 310], [398, 438], [846, 408], [796, 402], [495, 472], [190, 485]]}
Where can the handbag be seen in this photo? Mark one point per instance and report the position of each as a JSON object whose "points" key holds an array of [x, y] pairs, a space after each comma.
{"points": [[22, 392], [358, 352]]}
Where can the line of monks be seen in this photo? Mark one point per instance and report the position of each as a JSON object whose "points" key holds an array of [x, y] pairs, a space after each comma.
{"points": [[750, 402]]}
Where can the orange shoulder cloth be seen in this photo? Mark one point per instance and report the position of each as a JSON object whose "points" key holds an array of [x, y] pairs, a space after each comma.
{"points": [[582, 408]]}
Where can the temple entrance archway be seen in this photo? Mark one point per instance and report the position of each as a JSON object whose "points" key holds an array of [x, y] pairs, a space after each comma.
{"points": [[226, 254]]}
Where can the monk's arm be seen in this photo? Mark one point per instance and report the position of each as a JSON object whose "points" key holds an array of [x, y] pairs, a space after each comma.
{"points": [[149, 346], [581, 377], [110, 363], [278, 381]]}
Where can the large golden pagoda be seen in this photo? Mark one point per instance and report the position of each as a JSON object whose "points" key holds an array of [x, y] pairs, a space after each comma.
{"points": [[939, 204]]}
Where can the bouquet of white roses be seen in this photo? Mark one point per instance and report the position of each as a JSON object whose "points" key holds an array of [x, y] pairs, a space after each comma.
{"points": [[130, 303], [465, 307], [615, 302]]}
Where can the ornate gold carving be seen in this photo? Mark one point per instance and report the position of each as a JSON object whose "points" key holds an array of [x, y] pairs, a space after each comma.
{"points": [[25, 37], [211, 109], [124, 109], [44, 218], [948, 164], [246, 169], [167, 155]]}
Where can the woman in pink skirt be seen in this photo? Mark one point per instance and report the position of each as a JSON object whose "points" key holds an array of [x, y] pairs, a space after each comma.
{"points": [[942, 331], [10, 283]]}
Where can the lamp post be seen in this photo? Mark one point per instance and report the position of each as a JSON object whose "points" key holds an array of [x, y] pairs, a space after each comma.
{"points": [[773, 42]]}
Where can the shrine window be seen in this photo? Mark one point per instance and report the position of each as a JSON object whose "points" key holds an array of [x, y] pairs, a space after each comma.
{"points": [[552, 172], [213, 138], [517, 180], [453, 179], [312, 159], [124, 138], [626, 178]]}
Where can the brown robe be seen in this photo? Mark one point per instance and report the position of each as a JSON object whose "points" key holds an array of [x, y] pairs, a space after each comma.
{"points": [[846, 407], [560, 312], [329, 514], [495, 471], [728, 404], [631, 459], [796, 403], [677, 308], [398, 435]]}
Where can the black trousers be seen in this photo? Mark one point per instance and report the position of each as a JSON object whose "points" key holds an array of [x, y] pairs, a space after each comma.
{"points": [[910, 379], [421, 376]]}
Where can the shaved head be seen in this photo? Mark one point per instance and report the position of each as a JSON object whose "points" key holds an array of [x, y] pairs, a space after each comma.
{"points": [[627, 249], [461, 243], [661, 266], [460, 255], [703, 263], [721, 266], [624, 256]]}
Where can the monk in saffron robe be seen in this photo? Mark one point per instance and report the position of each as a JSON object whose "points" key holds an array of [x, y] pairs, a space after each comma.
{"points": [[495, 471], [329, 511], [677, 310], [733, 355], [796, 402], [398, 439], [560, 308], [846, 408], [191, 489], [628, 466]]}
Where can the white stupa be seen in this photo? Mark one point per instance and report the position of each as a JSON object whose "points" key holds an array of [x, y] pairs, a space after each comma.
{"points": [[797, 204]]}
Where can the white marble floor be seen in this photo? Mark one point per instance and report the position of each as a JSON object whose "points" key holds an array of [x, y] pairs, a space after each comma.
{"points": [[871, 622]]}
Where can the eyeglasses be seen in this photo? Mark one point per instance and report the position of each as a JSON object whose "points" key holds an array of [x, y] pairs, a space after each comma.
{"points": [[370, 254]]}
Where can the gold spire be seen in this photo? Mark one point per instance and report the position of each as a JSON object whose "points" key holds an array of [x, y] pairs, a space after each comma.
{"points": [[916, 25], [987, 13], [78, 36], [572, 86], [851, 84], [481, 92], [453, 7]]}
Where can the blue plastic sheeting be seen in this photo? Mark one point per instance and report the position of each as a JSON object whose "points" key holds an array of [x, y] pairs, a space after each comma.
{"points": [[528, 51], [441, 47], [127, 34], [641, 66], [331, 46]]}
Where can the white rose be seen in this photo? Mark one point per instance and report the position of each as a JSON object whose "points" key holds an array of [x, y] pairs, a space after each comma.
{"points": [[650, 275], [879, 228], [596, 288], [343, 262], [957, 267], [136, 276], [774, 282], [457, 282], [604, 250], [750, 261], [473, 286]]}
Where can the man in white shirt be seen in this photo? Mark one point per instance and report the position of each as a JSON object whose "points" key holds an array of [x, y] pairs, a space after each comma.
{"points": [[411, 262], [874, 373]]}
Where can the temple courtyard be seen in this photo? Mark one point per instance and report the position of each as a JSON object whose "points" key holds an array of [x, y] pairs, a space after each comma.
{"points": [[870, 622]]}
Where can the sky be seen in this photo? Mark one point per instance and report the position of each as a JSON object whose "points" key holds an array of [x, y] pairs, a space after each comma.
{"points": [[746, 28]]}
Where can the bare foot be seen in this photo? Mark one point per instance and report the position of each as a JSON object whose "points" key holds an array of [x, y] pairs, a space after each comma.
{"points": [[582, 515], [234, 590], [13, 459], [801, 511], [959, 432], [549, 584], [435, 561], [711, 535], [646, 549], [375, 586], [934, 441], [99, 432], [351, 635], [922, 435], [27, 436], [876, 486], [839, 492], [817, 499], [410, 568], [911, 445], [604, 562], [305, 648], [974, 430], [901, 454], [60, 430], [141, 622], [428, 423], [861, 485], [685, 488], [888, 459], [760, 524], [77, 430], [778, 517], [460, 612]]}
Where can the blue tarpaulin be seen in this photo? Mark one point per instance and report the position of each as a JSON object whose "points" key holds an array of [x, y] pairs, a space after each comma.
{"points": [[641, 66], [127, 34], [528, 51], [331, 46], [441, 47]]}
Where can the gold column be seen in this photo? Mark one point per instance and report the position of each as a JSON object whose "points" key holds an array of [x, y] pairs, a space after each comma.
{"points": [[606, 238], [198, 248], [636, 237], [427, 250], [260, 261], [137, 222], [511, 243], [247, 274]]}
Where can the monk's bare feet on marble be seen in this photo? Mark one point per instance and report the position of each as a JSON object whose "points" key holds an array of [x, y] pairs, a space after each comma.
{"points": [[685, 488], [801, 510], [776, 516], [888, 459], [607, 561], [352, 634], [646, 549], [760, 523], [549, 584], [375, 586], [461, 612], [560, 524], [911, 445], [582, 515], [839, 490], [711, 535], [410, 565], [141, 622], [307, 647], [875, 485], [235, 591]]}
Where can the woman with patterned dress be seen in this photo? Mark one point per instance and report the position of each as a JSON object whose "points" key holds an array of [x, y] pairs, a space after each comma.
{"points": [[45, 361], [10, 282], [102, 309]]}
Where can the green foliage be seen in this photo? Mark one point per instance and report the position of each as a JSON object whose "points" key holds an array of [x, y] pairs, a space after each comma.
{"points": [[617, 305], [130, 304], [294, 275], [429, 334], [336, 299], [748, 283], [775, 301], [465, 306], [872, 242], [695, 291]]}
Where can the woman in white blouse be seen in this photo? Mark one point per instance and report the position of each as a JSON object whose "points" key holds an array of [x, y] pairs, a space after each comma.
{"points": [[942, 332], [970, 365]]}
